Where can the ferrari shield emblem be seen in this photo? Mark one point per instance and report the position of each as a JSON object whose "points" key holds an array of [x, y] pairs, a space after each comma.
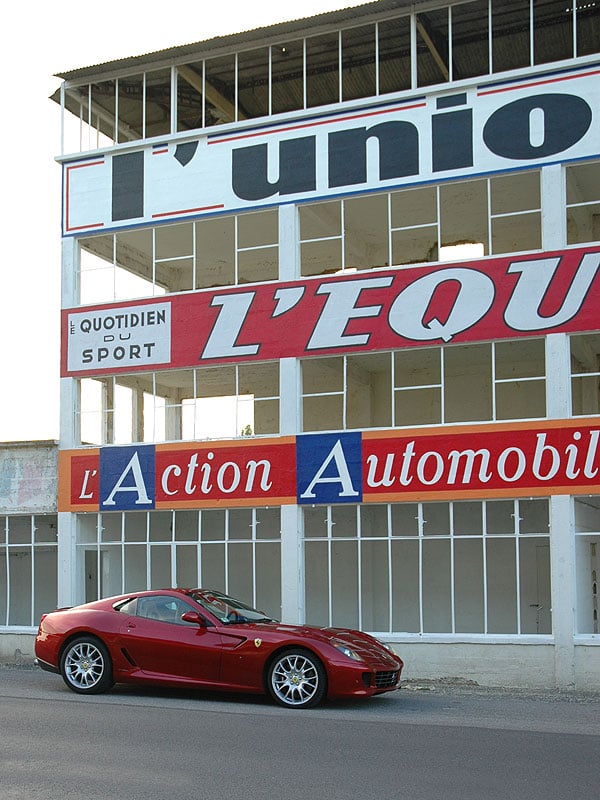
{"points": [[257, 642]]}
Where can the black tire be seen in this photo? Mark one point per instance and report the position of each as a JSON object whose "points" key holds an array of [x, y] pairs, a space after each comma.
{"points": [[86, 667], [297, 679]]}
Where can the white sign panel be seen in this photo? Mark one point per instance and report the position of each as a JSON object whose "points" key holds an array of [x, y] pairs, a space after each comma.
{"points": [[487, 128], [131, 337]]}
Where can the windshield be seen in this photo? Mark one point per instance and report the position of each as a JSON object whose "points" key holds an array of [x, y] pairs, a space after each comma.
{"points": [[227, 609]]}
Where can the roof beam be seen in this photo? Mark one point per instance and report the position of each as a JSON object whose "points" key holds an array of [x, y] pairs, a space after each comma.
{"points": [[214, 96]]}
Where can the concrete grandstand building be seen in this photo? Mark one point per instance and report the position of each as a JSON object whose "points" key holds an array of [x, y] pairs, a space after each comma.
{"points": [[331, 331]]}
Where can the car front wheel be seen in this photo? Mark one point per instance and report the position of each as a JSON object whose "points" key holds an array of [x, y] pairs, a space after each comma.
{"points": [[86, 667], [297, 679]]}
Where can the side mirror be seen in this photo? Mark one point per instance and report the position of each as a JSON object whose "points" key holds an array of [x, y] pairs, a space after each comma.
{"points": [[194, 616]]}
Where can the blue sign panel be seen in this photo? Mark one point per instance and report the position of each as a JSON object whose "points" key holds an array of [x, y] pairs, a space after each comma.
{"points": [[127, 478], [329, 468]]}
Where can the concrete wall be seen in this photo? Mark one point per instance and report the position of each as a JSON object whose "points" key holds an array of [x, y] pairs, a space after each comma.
{"points": [[28, 477], [510, 665], [16, 648], [514, 665], [587, 665]]}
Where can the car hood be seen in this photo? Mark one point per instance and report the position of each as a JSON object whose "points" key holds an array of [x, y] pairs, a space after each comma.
{"points": [[362, 643]]}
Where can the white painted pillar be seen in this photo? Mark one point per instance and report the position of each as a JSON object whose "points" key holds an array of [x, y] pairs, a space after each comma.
{"points": [[69, 436], [558, 406], [564, 595], [290, 423], [554, 199]]}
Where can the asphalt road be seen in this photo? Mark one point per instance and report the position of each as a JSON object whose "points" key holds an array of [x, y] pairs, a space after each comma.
{"points": [[422, 743]]}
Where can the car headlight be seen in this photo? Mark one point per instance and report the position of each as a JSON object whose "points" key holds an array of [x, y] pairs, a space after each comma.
{"points": [[347, 651], [387, 646]]}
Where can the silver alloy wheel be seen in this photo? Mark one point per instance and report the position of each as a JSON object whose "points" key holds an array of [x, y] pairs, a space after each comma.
{"points": [[84, 665], [295, 679]]}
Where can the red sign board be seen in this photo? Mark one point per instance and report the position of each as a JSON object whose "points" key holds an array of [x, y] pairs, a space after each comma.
{"points": [[441, 463], [491, 298]]}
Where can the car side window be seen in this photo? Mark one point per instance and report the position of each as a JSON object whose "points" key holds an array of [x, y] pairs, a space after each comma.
{"points": [[128, 607], [163, 609]]}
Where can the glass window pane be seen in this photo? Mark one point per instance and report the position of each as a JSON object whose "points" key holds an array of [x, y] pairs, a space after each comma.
{"points": [[437, 605], [418, 407], [500, 517], [358, 62], [268, 579], [415, 246], [219, 90], [374, 589], [103, 102], [253, 83], [130, 96], [344, 521], [315, 522], [516, 192], [316, 582], [19, 594], [160, 566], [212, 566], [516, 233], [394, 55], [287, 82], [320, 220], [239, 571], [186, 528], [240, 523], [469, 613], [405, 519], [534, 574], [588, 28], [510, 34], [468, 518], [534, 516], [215, 258], [414, 207], [464, 213], [436, 519], [322, 70], [366, 232], [521, 400], [432, 47], [467, 383], [212, 524], [405, 587], [552, 31], [268, 524], [344, 584], [322, 375], [158, 103], [257, 265], [521, 358], [501, 586], [374, 521], [190, 96], [257, 229], [320, 258], [470, 39], [186, 566]]}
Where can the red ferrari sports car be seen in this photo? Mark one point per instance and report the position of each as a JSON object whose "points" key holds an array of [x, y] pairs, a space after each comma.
{"points": [[205, 639]]}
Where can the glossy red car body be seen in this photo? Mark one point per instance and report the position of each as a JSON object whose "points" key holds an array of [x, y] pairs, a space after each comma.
{"points": [[219, 644]]}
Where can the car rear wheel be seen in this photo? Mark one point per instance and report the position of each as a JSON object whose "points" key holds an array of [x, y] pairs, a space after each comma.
{"points": [[297, 679], [86, 667]]}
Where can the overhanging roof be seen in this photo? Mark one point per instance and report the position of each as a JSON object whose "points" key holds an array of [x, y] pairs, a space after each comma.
{"points": [[280, 30]]}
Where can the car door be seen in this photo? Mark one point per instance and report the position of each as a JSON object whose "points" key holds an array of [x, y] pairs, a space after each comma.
{"points": [[163, 646]]}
